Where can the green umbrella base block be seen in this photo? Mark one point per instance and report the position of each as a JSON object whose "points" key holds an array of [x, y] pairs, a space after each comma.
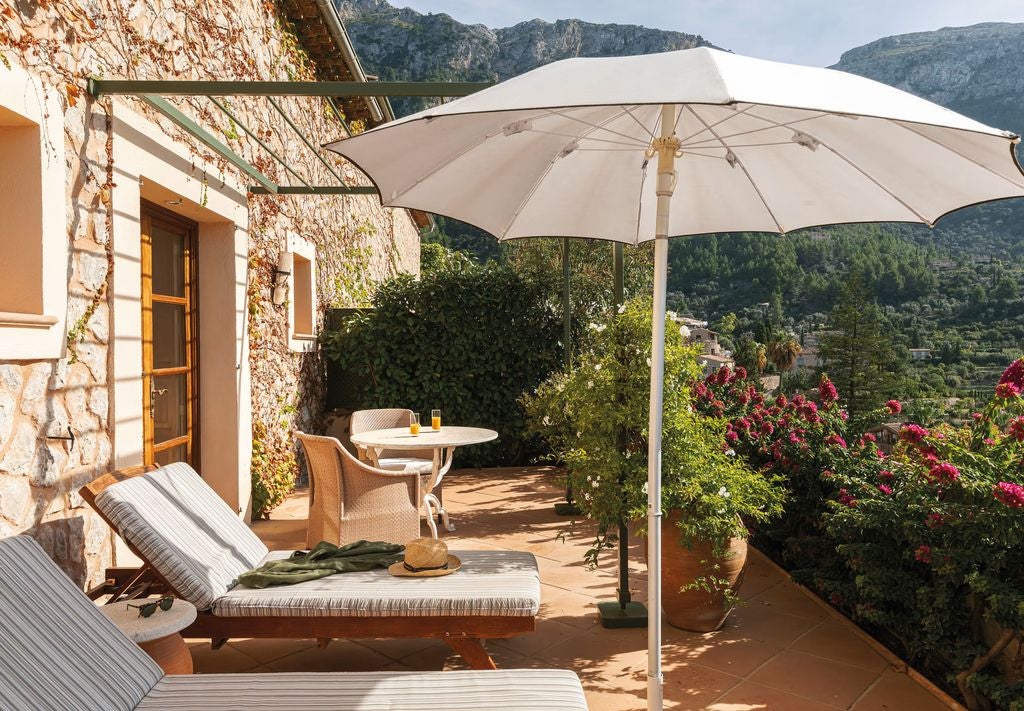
{"points": [[614, 617], [566, 509]]}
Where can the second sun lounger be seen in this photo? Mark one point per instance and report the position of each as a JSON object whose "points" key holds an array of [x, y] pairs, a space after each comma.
{"points": [[196, 546]]}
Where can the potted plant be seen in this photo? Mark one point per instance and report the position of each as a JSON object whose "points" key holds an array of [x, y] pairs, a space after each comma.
{"points": [[594, 418]]}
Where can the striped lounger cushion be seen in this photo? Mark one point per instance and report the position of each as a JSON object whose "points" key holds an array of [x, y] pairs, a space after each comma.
{"points": [[57, 651], [490, 583], [184, 529], [507, 690]]}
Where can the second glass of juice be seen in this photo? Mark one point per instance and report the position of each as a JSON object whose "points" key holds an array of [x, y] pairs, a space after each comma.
{"points": [[414, 423], [435, 420]]}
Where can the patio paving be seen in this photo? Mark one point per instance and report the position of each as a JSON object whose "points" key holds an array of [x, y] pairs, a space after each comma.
{"points": [[782, 650]]}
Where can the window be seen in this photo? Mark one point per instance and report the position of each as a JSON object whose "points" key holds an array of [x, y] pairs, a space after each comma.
{"points": [[33, 231], [302, 306]]}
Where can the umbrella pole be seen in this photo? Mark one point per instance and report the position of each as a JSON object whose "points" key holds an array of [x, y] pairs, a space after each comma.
{"points": [[666, 147]]}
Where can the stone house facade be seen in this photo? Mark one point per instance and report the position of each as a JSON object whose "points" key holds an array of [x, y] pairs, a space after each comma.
{"points": [[137, 272]]}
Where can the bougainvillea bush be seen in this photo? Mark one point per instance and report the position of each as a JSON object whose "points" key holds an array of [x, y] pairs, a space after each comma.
{"points": [[934, 542], [923, 546]]}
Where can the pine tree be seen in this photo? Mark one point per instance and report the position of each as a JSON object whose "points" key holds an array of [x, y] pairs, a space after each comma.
{"points": [[858, 353]]}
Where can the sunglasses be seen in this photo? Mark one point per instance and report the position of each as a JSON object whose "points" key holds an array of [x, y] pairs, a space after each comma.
{"points": [[147, 609]]}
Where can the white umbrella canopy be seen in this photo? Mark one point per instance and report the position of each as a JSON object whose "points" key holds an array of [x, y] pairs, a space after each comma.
{"points": [[563, 151], [559, 151]]}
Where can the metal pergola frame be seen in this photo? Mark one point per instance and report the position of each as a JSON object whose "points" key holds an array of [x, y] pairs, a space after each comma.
{"points": [[155, 93]]}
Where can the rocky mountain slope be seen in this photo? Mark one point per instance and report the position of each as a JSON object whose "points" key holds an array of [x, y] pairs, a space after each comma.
{"points": [[402, 44]]}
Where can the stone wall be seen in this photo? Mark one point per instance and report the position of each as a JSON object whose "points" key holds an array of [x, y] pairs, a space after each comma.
{"points": [[63, 42]]}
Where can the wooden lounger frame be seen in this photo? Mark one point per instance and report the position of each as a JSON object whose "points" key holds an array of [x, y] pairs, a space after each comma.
{"points": [[465, 635]]}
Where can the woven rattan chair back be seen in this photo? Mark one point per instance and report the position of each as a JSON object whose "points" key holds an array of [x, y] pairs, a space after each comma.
{"points": [[349, 500]]}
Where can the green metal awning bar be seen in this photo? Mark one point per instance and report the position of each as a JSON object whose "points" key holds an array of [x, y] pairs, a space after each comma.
{"points": [[154, 94], [342, 89]]}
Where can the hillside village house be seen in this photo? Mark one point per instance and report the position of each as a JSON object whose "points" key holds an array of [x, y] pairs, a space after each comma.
{"points": [[137, 304]]}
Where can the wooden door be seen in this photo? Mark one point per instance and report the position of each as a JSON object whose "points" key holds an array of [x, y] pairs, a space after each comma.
{"points": [[169, 342]]}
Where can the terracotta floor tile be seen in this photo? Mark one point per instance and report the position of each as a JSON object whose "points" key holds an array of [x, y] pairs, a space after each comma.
{"points": [[814, 678], [694, 686], [568, 607], [226, 660], [738, 655], [836, 641], [268, 650], [605, 698], [398, 649], [898, 692], [340, 655], [548, 633], [790, 600], [752, 623], [750, 696], [759, 575]]}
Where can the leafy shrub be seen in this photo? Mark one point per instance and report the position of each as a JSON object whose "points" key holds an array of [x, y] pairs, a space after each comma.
{"points": [[594, 417], [469, 341]]}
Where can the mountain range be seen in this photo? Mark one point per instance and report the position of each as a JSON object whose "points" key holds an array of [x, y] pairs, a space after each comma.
{"points": [[972, 70]]}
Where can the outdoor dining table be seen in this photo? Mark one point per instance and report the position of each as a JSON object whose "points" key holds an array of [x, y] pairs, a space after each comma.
{"points": [[443, 442]]}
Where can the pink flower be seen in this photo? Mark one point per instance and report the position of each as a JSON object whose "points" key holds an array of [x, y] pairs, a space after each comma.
{"points": [[880, 454], [1016, 428], [1007, 391], [781, 401], [976, 415], [767, 428], [944, 472], [743, 398], [894, 406], [923, 554], [1010, 494], [885, 475], [989, 441], [885, 489], [1014, 374], [836, 440], [934, 520], [913, 433], [846, 498], [827, 391], [731, 437], [798, 400], [741, 373], [868, 437], [794, 438]]}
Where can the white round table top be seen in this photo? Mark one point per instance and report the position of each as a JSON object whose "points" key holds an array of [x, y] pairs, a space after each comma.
{"points": [[160, 624], [401, 438]]}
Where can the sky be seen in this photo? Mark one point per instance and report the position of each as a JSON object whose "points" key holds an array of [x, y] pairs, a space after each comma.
{"points": [[814, 32]]}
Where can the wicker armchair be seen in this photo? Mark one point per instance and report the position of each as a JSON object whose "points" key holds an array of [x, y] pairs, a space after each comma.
{"points": [[350, 500]]}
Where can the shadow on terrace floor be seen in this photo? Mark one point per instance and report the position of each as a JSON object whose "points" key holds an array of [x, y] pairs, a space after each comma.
{"points": [[782, 650]]}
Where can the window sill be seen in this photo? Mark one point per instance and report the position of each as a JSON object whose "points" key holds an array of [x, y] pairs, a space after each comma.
{"points": [[21, 320], [303, 337]]}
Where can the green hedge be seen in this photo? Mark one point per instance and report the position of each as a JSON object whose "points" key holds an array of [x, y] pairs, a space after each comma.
{"points": [[469, 341]]}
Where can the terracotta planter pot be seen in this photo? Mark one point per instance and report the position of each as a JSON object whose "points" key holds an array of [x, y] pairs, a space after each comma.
{"points": [[695, 610]]}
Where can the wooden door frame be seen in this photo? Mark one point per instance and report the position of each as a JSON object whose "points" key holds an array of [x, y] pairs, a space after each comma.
{"points": [[148, 214]]}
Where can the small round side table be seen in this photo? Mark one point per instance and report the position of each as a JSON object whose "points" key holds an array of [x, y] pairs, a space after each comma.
{"points": [[157, 635]]}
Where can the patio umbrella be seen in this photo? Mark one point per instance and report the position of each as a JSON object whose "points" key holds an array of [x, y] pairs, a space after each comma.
{"points": [[739, 144]]}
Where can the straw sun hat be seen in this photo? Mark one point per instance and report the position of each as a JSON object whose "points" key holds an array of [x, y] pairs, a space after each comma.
{"points": [[425, 558]]}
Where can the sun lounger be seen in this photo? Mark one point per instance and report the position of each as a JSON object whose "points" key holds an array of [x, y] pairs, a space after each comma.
{"points": [[58, 652], [193, 543]]}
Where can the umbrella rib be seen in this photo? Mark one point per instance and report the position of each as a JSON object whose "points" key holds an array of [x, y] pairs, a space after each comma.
{"points": [[439, 167], [639, 123], [600, 127], [731, 116], [772, 124], [632, 147], [742, 167], [640, 200], [547, 169], [956, 152]]}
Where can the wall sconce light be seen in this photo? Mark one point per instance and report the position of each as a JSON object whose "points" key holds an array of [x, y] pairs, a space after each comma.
{"points": [[285, 261]]}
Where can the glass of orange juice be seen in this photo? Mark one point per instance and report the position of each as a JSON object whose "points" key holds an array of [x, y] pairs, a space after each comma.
{"points": [[414, 423], [435, 420]]}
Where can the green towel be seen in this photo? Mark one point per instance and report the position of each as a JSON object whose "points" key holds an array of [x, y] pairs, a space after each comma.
{"points": [[325, 559]]}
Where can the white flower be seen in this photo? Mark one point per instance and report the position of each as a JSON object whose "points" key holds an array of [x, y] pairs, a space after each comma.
{"points": [[590, 384], [645, 487], [684, 332], [730, 452], [597, 327], [578, 434], [723, 492], [546, 421], [595, 484], [597, 366], [648, 362], [622, 308], [590, 478], [628, 454]]}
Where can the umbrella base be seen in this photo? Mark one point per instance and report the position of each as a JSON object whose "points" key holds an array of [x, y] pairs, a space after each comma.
{"points": [[614, 617]]}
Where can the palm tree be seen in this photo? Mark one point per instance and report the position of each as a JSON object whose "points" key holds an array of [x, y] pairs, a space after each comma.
{"points": [[783, 352]]}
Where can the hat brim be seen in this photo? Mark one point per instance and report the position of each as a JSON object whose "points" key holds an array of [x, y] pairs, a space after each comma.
{"points": [[398, 569]]}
